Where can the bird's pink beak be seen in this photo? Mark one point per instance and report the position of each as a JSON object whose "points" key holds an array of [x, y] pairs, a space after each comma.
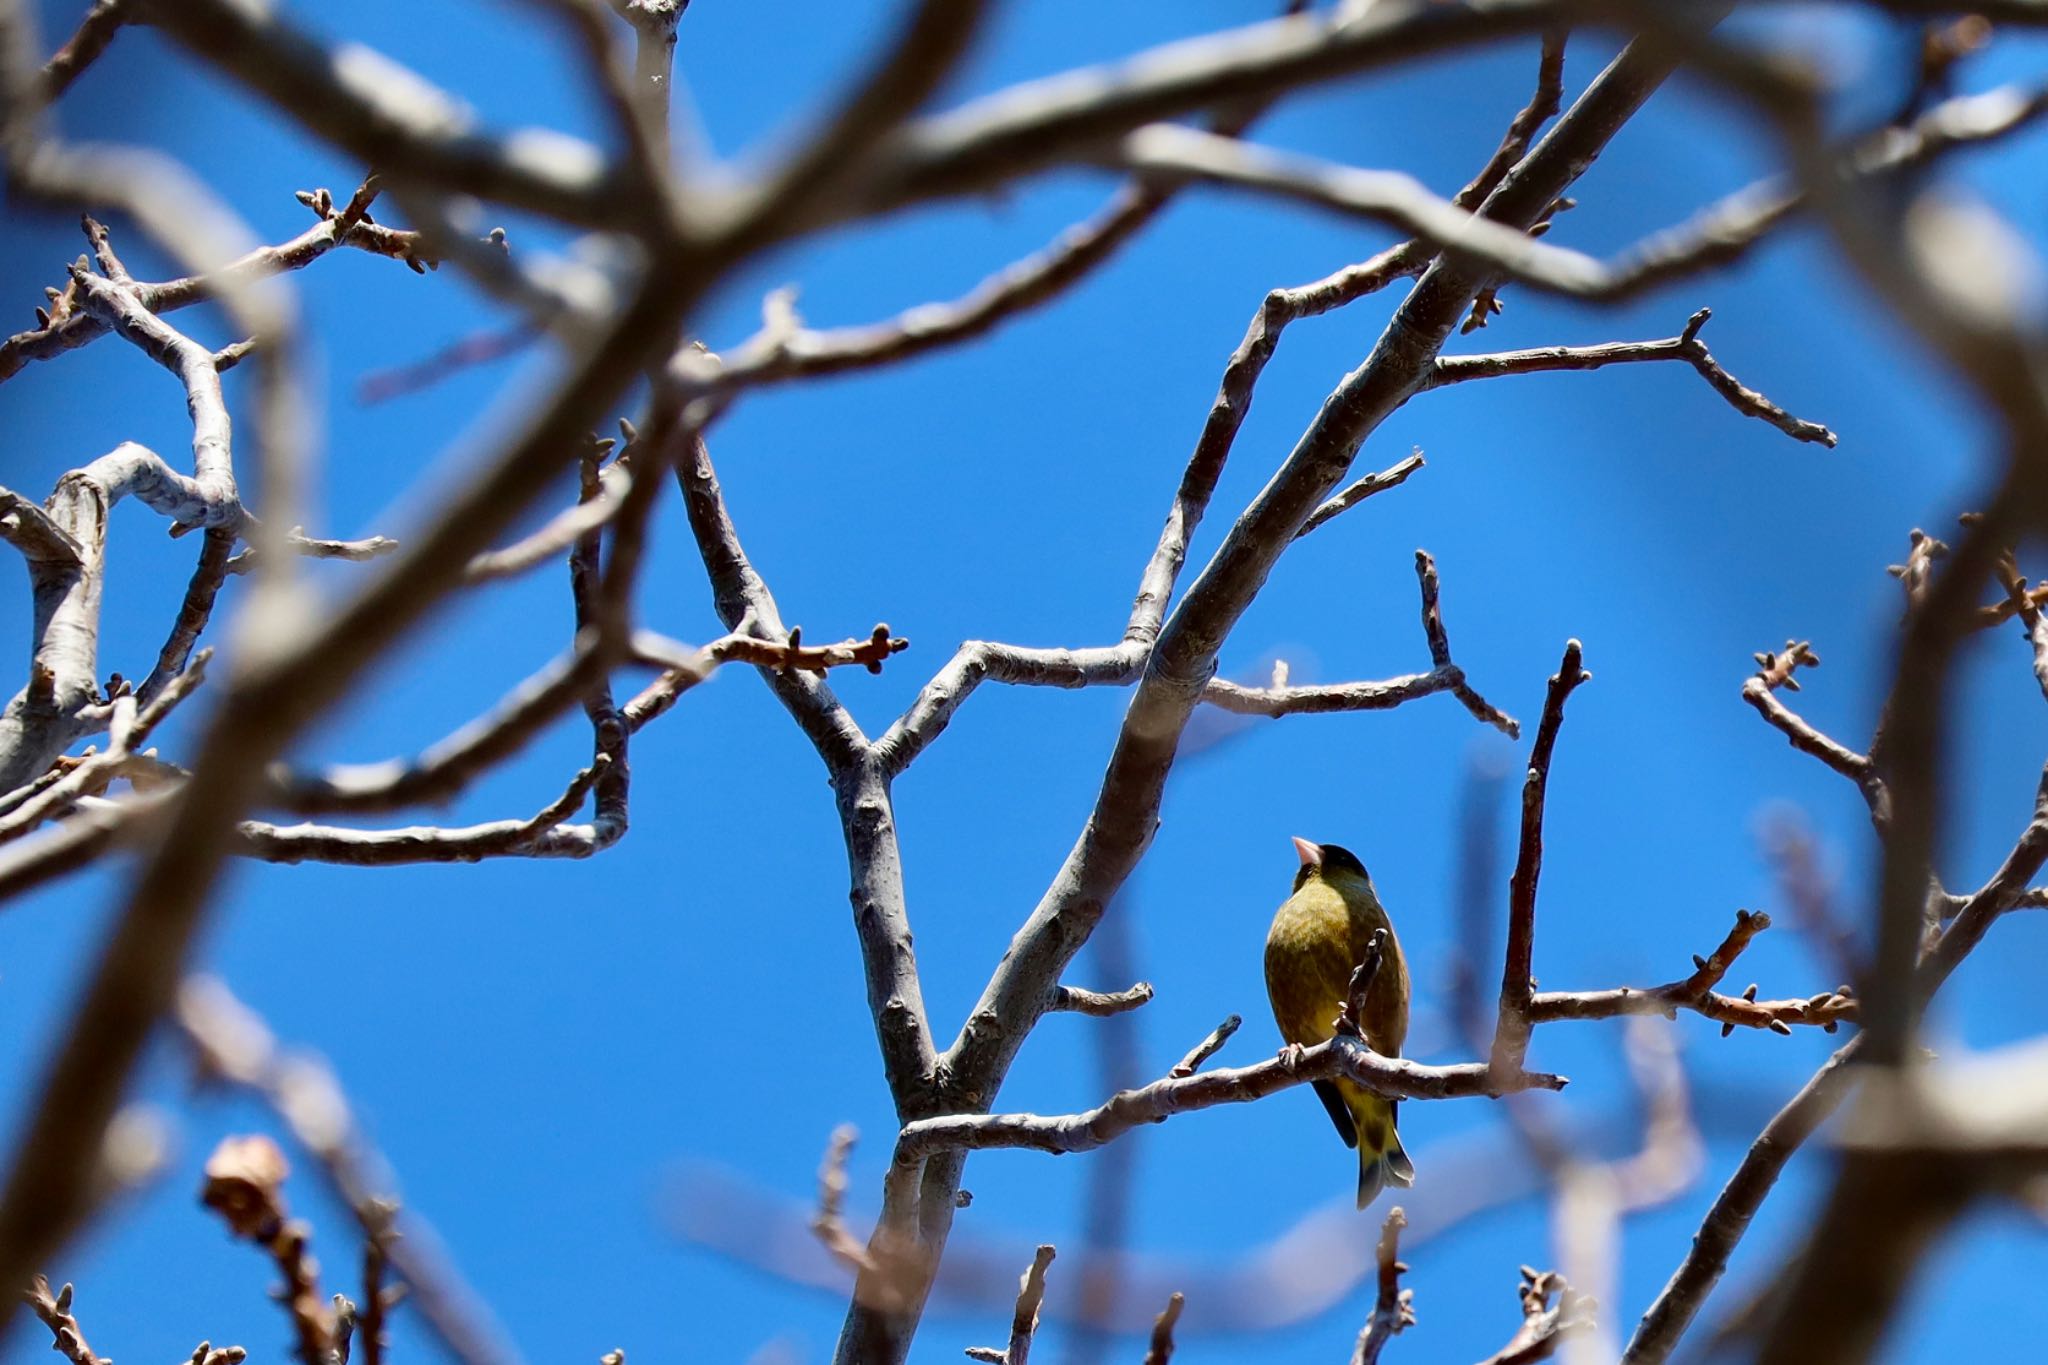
{"points": [[1311, 854]]}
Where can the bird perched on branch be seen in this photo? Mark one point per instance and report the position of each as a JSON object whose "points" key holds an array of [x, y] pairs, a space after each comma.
{"points": [[1319, 937]]}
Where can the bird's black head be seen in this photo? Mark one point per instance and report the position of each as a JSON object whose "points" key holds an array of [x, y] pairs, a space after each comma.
{"points": [[1322, 859]]}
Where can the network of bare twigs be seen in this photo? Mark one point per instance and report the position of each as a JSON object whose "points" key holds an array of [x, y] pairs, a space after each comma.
{"points": [[63, 807]]}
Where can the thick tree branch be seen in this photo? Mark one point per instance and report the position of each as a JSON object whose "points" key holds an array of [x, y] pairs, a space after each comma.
{"points": [[305, 669], [129, 727], [859, 780], [1717, 235], [1183, 660], [997, 137], [1668, 1317], [213, 465], [31, 530], [61, 703], [399, 123]]}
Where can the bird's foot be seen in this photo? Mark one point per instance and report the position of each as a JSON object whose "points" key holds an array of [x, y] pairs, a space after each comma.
{"points": [[1291, 1055]]}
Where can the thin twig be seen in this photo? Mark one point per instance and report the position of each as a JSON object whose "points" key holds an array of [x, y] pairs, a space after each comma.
{"points": [[1518, 986], [1826, 1010], [1024, 1323], [1207, 1048], [1339, 503], [828, 1224], [245, 1185], [55, 1311], [1686, 346], [1551, 1312], [1393, 1309], [1099, 1004], [1159, 1351]]}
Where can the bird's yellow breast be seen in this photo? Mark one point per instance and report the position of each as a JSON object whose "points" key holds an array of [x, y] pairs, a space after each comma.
{"points": [[1308, 962], [1318, 936]]}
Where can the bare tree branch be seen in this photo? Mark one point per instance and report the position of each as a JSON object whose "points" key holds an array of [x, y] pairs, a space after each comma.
{"points": [[194, 612], [1120, 665], [1393, 1310], [1686, 346], [1338, 504], [666, 238], [1209, 1046], [1098, 1004], [1826, 1010], [129, 726], [68, 330], [95, 32], [31, 530], [1183, 658], [55, 1311], [1343, 1057], [1024, 1324], [46, 1191], [999, 136], [1518, 984], [544, 834], [245, 1185], [828, 1225], [1776, 672], [1551, 1311], [231, 1044], [1726, 1222], [405, 127], [1160, 1349]]}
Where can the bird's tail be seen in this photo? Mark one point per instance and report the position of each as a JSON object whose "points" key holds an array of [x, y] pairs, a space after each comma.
{"points": [[1381, 1159]]}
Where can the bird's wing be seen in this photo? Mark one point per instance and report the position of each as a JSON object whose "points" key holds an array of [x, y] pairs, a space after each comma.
{"points": [[1340, 1113]]}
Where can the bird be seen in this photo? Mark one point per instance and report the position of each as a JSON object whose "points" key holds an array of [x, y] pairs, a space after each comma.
{"points": [[1320, 935]]}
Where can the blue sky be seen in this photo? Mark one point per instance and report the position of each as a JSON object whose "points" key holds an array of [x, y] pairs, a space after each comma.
{"points": [[558, 1057]]}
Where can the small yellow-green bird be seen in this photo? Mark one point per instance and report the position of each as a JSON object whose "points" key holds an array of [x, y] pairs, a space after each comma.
{"points": [[1318, 938]]}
